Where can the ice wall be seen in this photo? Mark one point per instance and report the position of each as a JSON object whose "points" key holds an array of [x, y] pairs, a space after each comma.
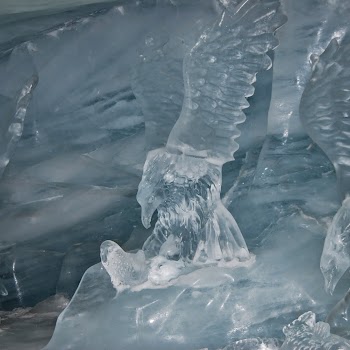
{"points": [[72, 180], [20, 6], [311, 25]]}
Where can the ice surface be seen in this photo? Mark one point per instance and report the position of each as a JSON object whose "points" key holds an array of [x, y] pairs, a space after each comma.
{"points": [[335, 258], [258, 344], [16, 88], [325, 105], [255, 300], [19, 6], [310, 27], [338, 318], [30, 328], [73, 176], [125, 269], [305, 333], [324, 111]]}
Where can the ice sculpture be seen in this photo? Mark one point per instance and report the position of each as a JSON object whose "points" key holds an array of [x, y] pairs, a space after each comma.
{"points": [[125, 269], [324, 112], [183, 180], [305, 334]]}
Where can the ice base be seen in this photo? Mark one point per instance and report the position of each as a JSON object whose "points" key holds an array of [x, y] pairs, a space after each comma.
{"points": [[209, 307]]}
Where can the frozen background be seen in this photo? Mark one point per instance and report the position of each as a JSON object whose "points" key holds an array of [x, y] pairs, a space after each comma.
{"points": [[72, 152]]}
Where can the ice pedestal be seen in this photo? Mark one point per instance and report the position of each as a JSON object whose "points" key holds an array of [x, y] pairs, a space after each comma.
{"points": [[208, 307]]}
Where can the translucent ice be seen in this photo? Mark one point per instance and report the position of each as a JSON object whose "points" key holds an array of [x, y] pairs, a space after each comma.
{"points": [[254, 344], [186, 192], [19, 81], [305, 334], [218, 73], [83, 139], [311, 25], [338, 318], [124, 268], [3, 290], [324, 109], [335, 259]]}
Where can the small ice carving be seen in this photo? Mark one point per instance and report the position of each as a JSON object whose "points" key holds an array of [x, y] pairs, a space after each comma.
{"points": [[305, 334], [183, 181], [125, 269], [128, 270], [324, 112]]}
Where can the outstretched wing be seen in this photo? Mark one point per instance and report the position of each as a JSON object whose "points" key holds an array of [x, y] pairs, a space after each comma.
{"points": [[218, 74], [325, 103]]}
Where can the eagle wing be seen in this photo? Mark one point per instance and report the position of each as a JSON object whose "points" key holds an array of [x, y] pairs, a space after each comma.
{"points": [[219, 72]]}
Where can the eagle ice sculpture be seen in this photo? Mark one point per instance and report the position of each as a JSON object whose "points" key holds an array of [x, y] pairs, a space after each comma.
{"points": [[182, 181]]}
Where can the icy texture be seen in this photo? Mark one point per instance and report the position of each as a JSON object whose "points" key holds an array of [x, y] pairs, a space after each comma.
{"points": [[30, 328], [338, 318], [19, 6], [186, 192], [19, 79], [311, 25], [185, 188], [206, 307], [125, 269], [158, 79], [80, 158], [218, 73], [85, 135], [254, 344], [324, 109], [285, 212], [73, 177], [305, 334], [335, 259]]}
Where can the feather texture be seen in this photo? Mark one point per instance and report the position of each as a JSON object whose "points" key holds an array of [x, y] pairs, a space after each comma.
{"points": [[219, 72]]}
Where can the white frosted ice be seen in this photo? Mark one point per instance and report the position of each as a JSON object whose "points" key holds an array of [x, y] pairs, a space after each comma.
{"points": [[125, 269]]}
